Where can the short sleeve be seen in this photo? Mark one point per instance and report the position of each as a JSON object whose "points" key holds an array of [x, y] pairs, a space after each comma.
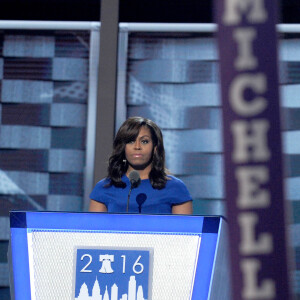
{"points": [[178, 191], [99, 191]]}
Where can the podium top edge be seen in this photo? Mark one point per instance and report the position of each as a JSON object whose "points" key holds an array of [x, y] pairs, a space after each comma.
{"points": [[90, 221]]}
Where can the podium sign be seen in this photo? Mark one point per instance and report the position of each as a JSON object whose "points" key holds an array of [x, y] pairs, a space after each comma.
{"points": [[89, 256], [125, 271]]}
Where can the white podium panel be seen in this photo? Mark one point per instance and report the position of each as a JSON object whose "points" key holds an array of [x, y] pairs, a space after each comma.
{"points": [[94, 256]]}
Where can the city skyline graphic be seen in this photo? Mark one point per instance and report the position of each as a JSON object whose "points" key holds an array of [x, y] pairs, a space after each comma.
{"points": [[111, 293], [112, 274]]}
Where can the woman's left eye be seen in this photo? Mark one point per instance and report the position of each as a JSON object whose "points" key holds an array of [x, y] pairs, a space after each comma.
{"points": [[145, 141]]}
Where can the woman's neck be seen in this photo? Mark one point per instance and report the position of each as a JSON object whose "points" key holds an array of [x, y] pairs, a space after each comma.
{"points": [[144, 174]]}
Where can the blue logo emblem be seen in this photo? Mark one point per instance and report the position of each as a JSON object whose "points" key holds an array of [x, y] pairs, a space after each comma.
{"points": [[109, 274]]}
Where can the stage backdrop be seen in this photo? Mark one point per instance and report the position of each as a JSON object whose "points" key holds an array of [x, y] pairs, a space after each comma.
{"points": [[191, 83], [43, 117]]}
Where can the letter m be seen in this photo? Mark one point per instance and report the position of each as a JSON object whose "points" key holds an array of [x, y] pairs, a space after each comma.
{"points": [[254, 10]]}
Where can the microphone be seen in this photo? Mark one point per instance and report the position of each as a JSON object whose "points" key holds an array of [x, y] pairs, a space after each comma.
{"points": [[135, 180], [140, 199]]}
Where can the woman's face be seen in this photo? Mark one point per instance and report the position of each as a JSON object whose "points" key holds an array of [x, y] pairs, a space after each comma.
{"points": [[139, 152]]}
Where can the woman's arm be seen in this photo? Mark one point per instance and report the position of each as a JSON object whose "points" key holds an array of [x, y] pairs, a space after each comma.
{"points": [[96, 206], [183, 209]]}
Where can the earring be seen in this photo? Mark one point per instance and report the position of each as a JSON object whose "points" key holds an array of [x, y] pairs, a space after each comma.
{"points": [[124, 161]]}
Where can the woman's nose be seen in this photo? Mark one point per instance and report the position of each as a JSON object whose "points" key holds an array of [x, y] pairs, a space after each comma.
{"points": [[137, 144]]}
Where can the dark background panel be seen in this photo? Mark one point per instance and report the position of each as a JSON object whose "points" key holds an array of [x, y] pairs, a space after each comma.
{"points": [[69, 10], [26, 114], [27, 68], [187, 11], [24, 160], [15, 202], [4, 293], [167, 11], [66, 184], [3, 251], [71, 45]]}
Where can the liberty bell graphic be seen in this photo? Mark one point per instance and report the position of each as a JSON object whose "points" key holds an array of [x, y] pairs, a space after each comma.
{"points": [[106, 260]]}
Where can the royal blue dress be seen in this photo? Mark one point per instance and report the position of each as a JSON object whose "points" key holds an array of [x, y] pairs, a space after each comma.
{"points": [[143, 199]]}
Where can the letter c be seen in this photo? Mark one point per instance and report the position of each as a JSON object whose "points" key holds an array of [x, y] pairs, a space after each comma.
{"points": [[256, 82]]}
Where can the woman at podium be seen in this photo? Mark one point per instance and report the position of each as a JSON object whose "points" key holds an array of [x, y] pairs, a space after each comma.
{"points": [[137, 180]]}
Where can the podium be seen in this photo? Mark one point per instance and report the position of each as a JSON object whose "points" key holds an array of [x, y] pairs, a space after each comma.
{"points": [[89, 256]]}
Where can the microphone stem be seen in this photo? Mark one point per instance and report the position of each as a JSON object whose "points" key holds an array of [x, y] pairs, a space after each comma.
{"points": [[128, 198]]}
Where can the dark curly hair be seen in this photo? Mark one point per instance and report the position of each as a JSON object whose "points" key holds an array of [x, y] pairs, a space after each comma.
{"points": [[127, 133]]}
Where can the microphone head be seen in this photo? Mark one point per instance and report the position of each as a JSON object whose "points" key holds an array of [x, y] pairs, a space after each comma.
{"points": [[134, 178], [141, 198]]}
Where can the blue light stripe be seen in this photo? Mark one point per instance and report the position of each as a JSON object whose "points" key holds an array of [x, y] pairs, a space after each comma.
{"points": [[20, 263], [205, 266]]}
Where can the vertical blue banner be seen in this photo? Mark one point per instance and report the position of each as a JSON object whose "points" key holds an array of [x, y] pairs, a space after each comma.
{"points": [[253, 148]]}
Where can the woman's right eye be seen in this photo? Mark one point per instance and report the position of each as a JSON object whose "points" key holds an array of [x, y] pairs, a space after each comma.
{"points": [[130, 142]]}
